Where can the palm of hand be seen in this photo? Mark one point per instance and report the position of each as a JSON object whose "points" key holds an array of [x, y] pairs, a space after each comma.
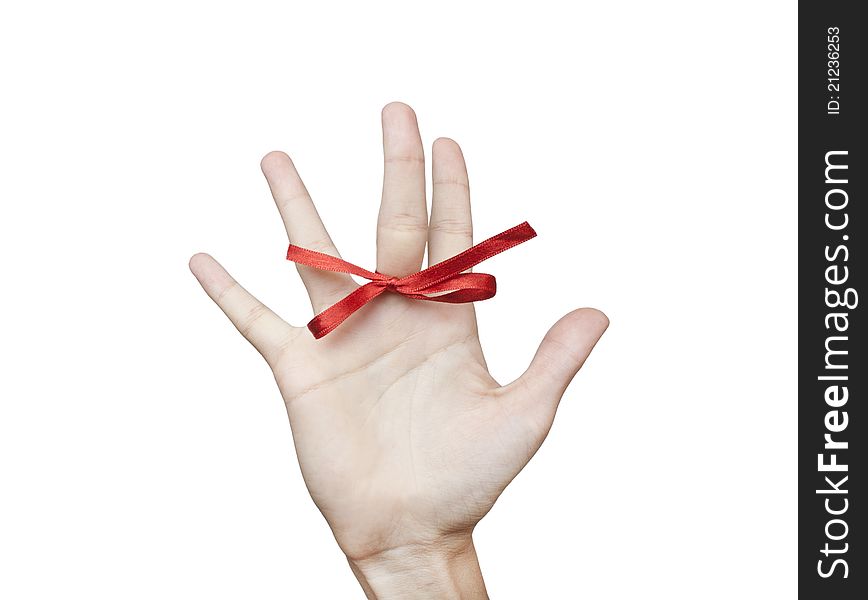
{"points": [[403, 436], [404, 441]]}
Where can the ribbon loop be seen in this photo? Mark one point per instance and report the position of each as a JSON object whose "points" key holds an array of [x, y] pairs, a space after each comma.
{"points": [[443, 282]]}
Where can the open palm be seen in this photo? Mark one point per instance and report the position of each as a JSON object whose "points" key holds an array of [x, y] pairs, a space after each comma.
{"points": [[403, 437]]}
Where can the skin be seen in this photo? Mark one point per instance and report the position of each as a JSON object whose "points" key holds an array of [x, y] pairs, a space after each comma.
{"points": [[404, 439]]}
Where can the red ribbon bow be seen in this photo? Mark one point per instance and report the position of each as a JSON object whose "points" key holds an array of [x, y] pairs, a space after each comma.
{"points": [[445, 279]]}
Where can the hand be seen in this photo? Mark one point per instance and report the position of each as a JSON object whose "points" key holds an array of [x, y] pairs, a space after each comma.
{"points": [[404, 439]]}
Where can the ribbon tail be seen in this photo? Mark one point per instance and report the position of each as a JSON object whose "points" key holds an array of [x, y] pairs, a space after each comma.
{"points": [[327, 262], [337, 313], [469, 258]]}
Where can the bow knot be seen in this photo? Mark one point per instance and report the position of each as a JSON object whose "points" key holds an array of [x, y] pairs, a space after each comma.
{"points": [[444, 282], [391, 284]]}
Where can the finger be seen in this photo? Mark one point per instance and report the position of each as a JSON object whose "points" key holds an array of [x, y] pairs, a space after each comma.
{"points": [[304, 228], [403, 222], [450, 231], [265, 330], [560, 356]]}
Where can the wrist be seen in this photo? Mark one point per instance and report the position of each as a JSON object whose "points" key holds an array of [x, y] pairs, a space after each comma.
{"points": [[447, 569]]}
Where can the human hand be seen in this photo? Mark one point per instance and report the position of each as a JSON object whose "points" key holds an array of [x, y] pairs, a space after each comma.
{"points": [[404, 439]]}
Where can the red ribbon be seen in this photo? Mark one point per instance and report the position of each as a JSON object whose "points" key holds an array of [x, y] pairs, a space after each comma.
{"points": [[445, 279]]}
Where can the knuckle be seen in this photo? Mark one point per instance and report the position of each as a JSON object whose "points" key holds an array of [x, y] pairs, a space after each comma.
{"points": [[452, 227], [286, 200], [404, 222], [221, 296], [250, 320], [322, 244], [462, 183], [411, 159]]}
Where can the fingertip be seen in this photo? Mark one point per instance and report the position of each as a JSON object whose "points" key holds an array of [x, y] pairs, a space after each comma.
{"points": [[590, 317], [198, 262], [273, 159], [445, 144], [395, 111], [576, 333], [444, 141]]}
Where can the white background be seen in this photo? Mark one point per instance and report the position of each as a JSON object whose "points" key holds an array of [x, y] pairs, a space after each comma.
{"points": [[144, 448]]}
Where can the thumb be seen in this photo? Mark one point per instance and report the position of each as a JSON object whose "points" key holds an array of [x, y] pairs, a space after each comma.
{"points": [[559, 357]]}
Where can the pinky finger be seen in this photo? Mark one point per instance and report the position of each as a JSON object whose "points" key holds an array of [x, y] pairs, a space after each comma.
{"points": [[265, 330]]}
